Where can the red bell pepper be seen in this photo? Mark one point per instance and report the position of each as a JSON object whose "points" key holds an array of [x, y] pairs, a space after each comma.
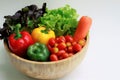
{"points": [[19, 41]]}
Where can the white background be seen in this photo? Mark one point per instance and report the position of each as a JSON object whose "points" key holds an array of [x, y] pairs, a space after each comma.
{"points": [[102, 61]]}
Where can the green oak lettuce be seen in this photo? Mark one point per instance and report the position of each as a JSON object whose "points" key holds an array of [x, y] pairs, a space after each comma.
{"points": [[62, 20]]}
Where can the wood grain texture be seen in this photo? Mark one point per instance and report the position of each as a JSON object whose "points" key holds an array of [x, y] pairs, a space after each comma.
{"points": [[47, 70]]}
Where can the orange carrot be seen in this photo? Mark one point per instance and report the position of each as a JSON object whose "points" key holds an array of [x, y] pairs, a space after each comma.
{"points": [[83, 27]]}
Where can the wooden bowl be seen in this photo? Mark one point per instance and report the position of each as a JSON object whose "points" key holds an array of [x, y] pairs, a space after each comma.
{"points": [[47, 70]]}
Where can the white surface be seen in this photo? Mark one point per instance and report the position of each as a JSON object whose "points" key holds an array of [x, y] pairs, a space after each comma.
{"points": [[102, 61]]}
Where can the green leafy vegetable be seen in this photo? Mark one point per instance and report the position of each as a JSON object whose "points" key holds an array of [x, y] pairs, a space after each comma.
{"points": [[27, 17], [62, 20]]}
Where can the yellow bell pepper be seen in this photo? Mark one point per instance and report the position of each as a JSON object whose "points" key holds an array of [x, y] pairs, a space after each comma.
{"points": [[41, 35]]}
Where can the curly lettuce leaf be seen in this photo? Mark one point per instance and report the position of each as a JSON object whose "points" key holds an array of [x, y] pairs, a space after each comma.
{"points": [[62, 20]]}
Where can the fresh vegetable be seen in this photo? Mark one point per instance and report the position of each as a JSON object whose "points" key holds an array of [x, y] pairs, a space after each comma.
{"points": [[77, 47], [54, 50], [55, 34], [19, 41], [4, 33], [63, 47], [60, 52], [68, 38], [52, 41], [38, 52], [42, 35], [62, 20], [28, 17], [60, 39], [83, 27], [65, 55], [53, 57], [82, 42], [70, 49]]}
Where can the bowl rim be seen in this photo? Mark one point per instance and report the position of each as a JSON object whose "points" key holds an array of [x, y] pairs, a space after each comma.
{"points": [[47, 62]]}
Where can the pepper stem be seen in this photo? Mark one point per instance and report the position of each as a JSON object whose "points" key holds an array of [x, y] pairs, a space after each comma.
{"points": [[17, 32], [45, 31]]}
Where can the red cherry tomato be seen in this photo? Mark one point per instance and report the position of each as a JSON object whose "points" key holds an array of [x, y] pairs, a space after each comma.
{"points": [[68, 38], [70, 49], [77, 47], [51, 42], [60, 52], [49, 47], [56, 44], [61, 46], [68, 44], [53, 57], [60, 58], [54, 50], [74, 42], [65, 55], [60, 39]]}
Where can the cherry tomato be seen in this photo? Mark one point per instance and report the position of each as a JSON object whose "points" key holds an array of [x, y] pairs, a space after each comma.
{"points": [[61, 46], [70, 49], [60, 52], [51, 42], [77, 47], [68, 38], [74, 42], [68, 44], [56, 44], [82, 42], [54, 50], [65, 55], [53, 57], [60, 57], [49, 47], [60, 39]]}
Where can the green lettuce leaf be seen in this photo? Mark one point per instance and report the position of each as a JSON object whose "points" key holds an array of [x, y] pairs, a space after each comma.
{"points": [[62, 20]]}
